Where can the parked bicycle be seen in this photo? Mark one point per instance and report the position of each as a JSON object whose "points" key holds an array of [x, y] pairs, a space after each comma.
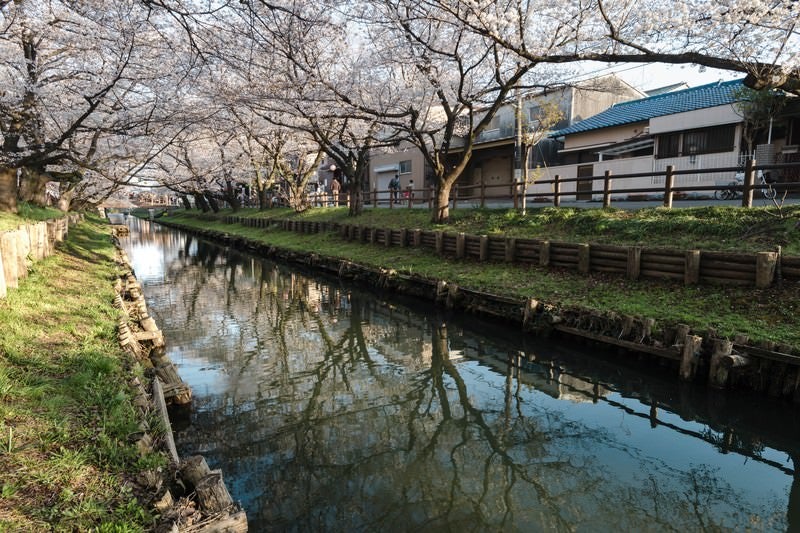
{"points": [[733, 189]]}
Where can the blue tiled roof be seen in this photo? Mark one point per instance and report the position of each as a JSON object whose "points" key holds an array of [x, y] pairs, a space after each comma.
{"points": [[711, 95]]}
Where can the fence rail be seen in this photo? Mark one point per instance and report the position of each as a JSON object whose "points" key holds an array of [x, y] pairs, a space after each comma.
{"points": [[605, 185]]}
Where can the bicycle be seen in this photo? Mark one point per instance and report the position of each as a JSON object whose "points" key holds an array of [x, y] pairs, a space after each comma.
{"points": [[734, 188]]}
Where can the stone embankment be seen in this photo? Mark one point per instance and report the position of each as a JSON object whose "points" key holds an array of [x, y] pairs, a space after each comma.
{"points": [[702, 357], [196, 499], [21, 247]]}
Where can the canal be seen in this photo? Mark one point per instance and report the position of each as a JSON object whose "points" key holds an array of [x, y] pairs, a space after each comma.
{"points": [[332, 407]]}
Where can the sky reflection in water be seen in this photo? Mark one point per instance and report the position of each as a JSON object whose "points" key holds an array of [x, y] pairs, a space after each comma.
{"points": [[330, 408]]}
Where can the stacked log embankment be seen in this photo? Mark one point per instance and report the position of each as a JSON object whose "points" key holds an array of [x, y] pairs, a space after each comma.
{"points": [[200, 502], [28, 243], [692, 267], [693, 356]]}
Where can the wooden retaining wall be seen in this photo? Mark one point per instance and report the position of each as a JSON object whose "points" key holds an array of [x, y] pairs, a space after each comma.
{"points": [[694, 356], [206, 505], [28, 243], [692, 267]]}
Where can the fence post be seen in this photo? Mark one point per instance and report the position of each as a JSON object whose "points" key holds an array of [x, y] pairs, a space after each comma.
{"points": [[633, 266], [455, 196], [765, 268], [691, 345], [691, 274], [460, 244], [557, 191], [584, 258], [747, 186], [439, 242], [669, 179], [484, 248], [717, 372], [607, 189], [375, 197], [430, 196], [483, 192], [544, 253], [511, 249], [8, 249]]}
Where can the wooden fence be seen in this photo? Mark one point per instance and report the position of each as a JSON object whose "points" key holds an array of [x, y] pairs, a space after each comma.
{"points": [[692, 267], [27, 244], [601, 185]]}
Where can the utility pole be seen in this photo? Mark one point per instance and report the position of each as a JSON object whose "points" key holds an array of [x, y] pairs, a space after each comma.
{"points": [[519, 149]]}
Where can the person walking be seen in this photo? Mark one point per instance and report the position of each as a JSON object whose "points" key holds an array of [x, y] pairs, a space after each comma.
{"points": [[394, 189]]}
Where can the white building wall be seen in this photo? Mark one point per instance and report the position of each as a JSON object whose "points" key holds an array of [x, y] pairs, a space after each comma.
{"points": [[643, 165], [631, 165], [699, 118], [382, 165], [704, 161]]}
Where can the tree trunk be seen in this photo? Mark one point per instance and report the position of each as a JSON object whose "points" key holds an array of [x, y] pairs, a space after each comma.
{"points": [[232, 197], [212, 201], [65, 200], [8, 189], [200, 202], [186, 204], [263, 199], [356, 200], [441, 203], [33, 186]]}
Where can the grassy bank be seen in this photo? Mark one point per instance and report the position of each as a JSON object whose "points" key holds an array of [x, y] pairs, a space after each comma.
{"points": [[707, 228], [27, 213], [65, 408], [769, 314]]}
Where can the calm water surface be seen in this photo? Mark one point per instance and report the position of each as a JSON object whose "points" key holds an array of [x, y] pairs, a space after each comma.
{"points": [[333, 408]]}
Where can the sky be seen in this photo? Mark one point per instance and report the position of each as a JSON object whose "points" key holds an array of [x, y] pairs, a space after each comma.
{"points": [[652, 76]]}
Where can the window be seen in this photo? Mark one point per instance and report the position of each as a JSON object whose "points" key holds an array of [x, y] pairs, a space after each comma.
{"points": [[719, 139], [701, 141], [405, 167], [669, 145]]}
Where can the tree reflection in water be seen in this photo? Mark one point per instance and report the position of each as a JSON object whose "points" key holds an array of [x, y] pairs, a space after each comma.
{"points": [[328, 409]]}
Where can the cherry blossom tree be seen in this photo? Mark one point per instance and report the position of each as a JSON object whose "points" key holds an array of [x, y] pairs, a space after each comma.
{"points": [[450, 81], [756, 37], [294, 71], [84, 97]]}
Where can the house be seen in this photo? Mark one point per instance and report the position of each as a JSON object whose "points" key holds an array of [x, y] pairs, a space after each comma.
{"points": [[493, 161], [493, 165], [695, 128]]}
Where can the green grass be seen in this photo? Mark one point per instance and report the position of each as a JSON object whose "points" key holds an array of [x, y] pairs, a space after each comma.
{"points": [[65, 409], [769, 314], [27, 213], [708, 228]]}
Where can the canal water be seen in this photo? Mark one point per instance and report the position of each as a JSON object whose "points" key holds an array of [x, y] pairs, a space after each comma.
{"points": [[331, 407]]}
